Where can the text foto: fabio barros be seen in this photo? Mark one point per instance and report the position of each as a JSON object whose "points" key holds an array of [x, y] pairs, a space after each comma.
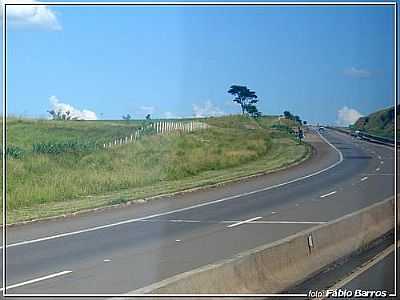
{"points": [[339, 293]]}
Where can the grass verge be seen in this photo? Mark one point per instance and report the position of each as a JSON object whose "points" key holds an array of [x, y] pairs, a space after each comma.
{"points": [[41, 186]]}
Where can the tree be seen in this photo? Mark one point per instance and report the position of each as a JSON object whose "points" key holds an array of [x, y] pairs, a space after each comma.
{"points": [[304, 122], [148, 117], [253, 111], [288, 115], [243, 96], [52, 114], [127, 117], [297, 119], [59, 115]]}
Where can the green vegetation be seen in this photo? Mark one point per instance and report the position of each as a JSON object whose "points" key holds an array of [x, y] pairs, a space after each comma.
{"points": [[379, 123], [288, 115], [246, 98], [55, 181]]}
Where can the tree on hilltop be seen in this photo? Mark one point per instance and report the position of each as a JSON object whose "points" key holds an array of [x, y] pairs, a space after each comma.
{"points": [[243, 96]]}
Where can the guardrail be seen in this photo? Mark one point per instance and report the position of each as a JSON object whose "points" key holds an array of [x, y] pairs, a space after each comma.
{"points": [[367, 137]]}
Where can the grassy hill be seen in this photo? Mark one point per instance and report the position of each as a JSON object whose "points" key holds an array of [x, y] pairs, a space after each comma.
{"points": [[379, 123], [77, 177]]}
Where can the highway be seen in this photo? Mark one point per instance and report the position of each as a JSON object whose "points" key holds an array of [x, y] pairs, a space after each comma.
{"points": [[121, 249]]}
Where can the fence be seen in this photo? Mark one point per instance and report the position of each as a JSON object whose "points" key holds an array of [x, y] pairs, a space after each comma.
{"points": [[161, 127]]}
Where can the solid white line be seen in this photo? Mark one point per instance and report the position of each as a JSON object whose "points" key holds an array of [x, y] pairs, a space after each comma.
{"points": [[380, 174], [326, 195], [36, 280], [244, 222], [183, 221], [364, 178], [286, 222], [186, 208], [236, 221]]}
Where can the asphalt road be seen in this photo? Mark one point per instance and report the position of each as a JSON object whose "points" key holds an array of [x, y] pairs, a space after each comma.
{"points": [[119, 250]]}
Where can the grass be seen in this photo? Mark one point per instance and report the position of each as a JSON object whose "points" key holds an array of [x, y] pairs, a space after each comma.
{"points": [[42, 185], [380, 123]]}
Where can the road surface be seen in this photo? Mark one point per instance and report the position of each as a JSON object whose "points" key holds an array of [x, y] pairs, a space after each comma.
{"points": [[119, 250]]}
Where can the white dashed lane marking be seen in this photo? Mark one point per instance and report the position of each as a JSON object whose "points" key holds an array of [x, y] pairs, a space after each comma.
{"points": [[243, 222], [8, 287], [329, 194], [364, 178]]}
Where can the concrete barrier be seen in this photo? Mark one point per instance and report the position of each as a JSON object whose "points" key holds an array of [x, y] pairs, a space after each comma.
{"points": [[277, 266]]}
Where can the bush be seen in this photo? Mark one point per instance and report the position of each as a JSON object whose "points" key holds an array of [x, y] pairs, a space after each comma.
{"points": [[13, 152], [63, 147]]}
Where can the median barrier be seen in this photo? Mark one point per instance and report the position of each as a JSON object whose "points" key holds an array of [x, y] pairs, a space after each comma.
{"points": [[277, 266]]}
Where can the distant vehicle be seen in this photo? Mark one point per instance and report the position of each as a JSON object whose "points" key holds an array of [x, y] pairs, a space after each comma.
{"points": [[321, 129]]}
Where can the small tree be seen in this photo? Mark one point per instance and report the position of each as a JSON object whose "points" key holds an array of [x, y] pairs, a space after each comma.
{"points": [[127, 117], [59, 115], [148, 117], [297, 119], [52, 114], [304, 122], [288, 115], [243, 96]]}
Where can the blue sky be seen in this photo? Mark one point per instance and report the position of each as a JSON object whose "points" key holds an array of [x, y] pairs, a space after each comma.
{"points": [[180, 61]]}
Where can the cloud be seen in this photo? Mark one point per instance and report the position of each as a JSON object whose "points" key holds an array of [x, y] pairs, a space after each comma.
{"points": [[357, 73], [207, 110], [347, 116], [35, 16], [85, 114]]}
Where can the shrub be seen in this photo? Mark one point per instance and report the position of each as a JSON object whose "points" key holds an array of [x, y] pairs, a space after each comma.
{"points": [[13, 152], [63, 147]]}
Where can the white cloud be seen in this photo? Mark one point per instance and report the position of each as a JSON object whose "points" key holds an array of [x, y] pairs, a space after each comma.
{"points": [[347, 116], [37, 16], [85, 114], [206, 110], [358, 73]]}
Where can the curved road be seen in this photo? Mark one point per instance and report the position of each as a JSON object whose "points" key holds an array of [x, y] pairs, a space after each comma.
{"points": [[122, 249]]}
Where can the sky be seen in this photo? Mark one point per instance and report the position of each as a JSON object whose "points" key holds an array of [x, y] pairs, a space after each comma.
{"points": [[327, 64]]}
